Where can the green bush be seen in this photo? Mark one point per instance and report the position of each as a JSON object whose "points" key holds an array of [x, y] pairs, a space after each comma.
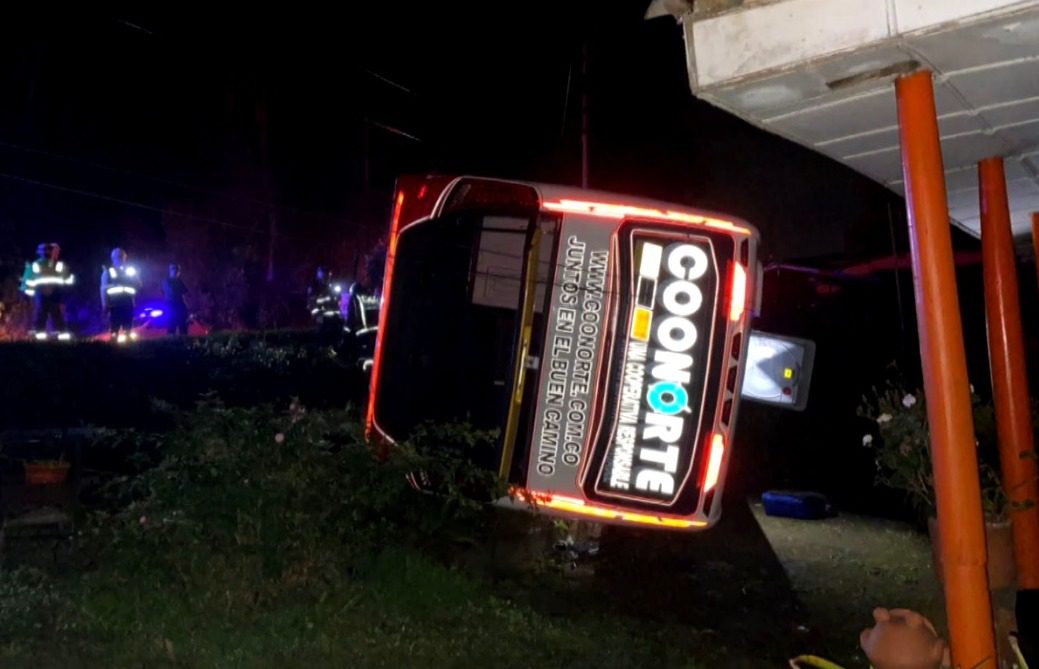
{"points": [[29, 603], [288, 498], [903, 453], [274, 537], [120, 382]]}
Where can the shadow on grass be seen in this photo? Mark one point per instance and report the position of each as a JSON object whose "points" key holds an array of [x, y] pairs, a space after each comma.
{"points": [[726, 583]]}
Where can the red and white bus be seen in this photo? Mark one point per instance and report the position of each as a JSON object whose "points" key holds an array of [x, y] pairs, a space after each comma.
{"points": [[603, 335]]}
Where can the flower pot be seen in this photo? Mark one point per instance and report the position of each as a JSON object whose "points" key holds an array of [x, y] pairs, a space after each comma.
{"points": [[999, 540], [46, 474]]}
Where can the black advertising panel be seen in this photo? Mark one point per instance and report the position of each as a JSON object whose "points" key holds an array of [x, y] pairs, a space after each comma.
{"points": [[662, 386]]}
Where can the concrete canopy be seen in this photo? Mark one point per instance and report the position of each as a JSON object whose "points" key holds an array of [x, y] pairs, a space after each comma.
{"points": [[821, 73]]}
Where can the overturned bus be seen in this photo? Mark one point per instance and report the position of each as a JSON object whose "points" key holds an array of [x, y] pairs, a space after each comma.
{"points": [[603, 336]]}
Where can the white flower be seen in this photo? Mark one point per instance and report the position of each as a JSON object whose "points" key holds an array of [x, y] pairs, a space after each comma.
{"points": [[867, 439], [908, 400], [279, 438], [883, 418]]}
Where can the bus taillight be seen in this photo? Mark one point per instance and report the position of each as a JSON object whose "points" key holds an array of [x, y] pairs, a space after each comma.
{"points": [[714, 462], [737, 292]]}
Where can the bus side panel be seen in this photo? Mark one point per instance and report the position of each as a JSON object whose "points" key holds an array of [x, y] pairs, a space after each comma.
{"points": [[572, 355]]}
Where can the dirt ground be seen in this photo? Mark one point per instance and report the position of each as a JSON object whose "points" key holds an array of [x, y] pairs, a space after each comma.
{"points": [[757, 590], [843, 567]]}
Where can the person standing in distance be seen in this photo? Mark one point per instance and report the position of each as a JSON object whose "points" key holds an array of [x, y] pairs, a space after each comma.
{"points": [[45, 280], [174, 290], [120, 282]]}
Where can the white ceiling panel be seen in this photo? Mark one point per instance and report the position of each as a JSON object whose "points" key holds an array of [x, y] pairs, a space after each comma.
{"points": [[856, 144], [1016, 170], [1022, 137], [1011, 113], [966, 199], [774, 96], [911, 15], [1026, 205], [961, 124], [868, 121], [840, 101], [965, 150], [849, 117], [998, 83], [884, 166], [997, 40], [970, 225], [958, 179], [1023, 191], [783, 36]]}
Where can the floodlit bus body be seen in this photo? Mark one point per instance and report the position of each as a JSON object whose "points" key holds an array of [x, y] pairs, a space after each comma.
{"points": [[602, 335]]}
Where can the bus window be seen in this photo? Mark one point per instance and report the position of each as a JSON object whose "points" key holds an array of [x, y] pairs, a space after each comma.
{"points": [[451, 329]]}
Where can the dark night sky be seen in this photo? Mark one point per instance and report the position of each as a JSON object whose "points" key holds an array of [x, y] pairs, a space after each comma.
{"points": [[158, 108], [143, 128]]}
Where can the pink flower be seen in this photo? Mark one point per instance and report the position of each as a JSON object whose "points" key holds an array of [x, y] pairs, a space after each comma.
{"points": [[279, 438]]}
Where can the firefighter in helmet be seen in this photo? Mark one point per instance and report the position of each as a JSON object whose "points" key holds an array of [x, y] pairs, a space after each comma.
{"points": [[45, 281], [120, 282], [323, 299], [362, 309]]}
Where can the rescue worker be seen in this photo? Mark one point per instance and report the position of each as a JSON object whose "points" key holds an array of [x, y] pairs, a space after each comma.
{"points": [[45, 280], [119, 285], [362, 322], [362, 309], [323, 299], [174, 290]]}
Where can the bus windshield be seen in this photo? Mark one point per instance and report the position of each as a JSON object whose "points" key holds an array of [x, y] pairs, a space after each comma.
{"points": [[452, 328]]}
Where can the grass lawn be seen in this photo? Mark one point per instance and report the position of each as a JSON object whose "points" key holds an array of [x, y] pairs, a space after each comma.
{"points": [[406, 611], [270, 537]]}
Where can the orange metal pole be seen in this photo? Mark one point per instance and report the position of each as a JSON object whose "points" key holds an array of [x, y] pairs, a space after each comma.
{"points": [[1009, 378], [957, 491]]}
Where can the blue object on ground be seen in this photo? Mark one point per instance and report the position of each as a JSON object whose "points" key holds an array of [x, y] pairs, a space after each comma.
{"points": [[797, 504]]}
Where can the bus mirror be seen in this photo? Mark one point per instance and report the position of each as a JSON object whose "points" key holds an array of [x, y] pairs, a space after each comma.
{"points": [[778, 370]]}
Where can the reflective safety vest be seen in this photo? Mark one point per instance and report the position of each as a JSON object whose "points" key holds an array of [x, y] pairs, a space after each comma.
{"points": [[362, 312], [120, 283], [325, 300], [46, 277]]}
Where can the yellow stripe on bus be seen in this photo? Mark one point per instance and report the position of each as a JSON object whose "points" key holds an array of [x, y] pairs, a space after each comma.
{"points": [[640, 324]]}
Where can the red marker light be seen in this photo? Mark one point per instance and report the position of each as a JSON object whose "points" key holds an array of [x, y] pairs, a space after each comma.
{"points": [[391, 254], [714, 462], [583, 508], [737, 292], [619, 211]]}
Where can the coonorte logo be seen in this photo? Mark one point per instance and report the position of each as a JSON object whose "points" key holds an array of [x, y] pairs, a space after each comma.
{"points": [[654, 407]]}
